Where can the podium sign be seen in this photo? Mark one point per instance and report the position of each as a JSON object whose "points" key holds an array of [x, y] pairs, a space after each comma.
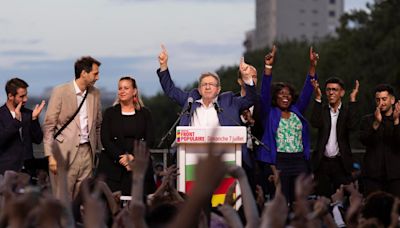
{"points": [[193, 143]]}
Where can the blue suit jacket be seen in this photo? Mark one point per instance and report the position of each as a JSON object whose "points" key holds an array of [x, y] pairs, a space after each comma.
{"points": [[230, 104], [14, 150], [272, 115]]}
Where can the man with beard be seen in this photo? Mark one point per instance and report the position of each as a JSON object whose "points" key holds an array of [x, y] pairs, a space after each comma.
{"points": [[72, 123], [19, 127], [380, 134]]}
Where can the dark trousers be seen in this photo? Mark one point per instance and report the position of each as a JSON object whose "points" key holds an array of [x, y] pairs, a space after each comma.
{"points": [[291, 165], [372, 185], [330, 175]]}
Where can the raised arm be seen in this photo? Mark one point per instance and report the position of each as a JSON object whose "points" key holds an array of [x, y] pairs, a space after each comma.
{"points": [[316, 114], [35, 130], [166, 82], [266, 83], [354, 113], [306, 92], [249, 204]]}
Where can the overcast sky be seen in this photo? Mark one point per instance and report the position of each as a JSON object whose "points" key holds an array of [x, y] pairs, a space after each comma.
{"points": [[40, 40]]}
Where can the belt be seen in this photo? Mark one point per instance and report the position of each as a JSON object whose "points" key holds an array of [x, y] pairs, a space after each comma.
{"points": [[85, 143]]}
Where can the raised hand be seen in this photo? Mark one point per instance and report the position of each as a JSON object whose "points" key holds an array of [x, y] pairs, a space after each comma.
{"points": [[314, 57], [396, 113], [378, 117], [37, 110], [338, 196], [163, 58], [353, 94], [17, 111], [246, 70], [229, 198], [269, 58], [275, 212], [141, 161], [304, 186], [317, 89]]}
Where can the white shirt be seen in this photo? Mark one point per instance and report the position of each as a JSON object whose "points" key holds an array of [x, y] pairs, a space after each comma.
{"points": [[205, 116], [83, 116], [332, 146], [20, 129]]}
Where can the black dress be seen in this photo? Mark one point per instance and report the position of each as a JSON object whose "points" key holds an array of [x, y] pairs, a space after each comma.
{"points": [[118, 133]]}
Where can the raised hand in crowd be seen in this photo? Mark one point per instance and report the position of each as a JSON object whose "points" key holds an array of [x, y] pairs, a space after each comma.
{"points": [[229, 196], [269, 61], [163, 58], [354, 92], [37, 110], [314, 57], [303, 188], [353, 211], [138, 167], [94, 209], [275, 212], [249, 204], [260, 199], [227, 210], [209, 173], [230, 215]]}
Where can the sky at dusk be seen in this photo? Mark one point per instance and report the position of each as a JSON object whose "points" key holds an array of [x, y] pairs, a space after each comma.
{"points": [[40, 40]]}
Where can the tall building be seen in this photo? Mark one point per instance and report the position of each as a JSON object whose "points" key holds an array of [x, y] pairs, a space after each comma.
{"points": [[293, 19]]}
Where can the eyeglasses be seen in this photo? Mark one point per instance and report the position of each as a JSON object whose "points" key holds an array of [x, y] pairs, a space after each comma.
{"points": [[205, 84], [332, 89]]}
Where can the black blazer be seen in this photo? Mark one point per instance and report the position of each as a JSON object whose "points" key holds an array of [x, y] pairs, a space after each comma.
{"points": [[14, 150], [113, 142], [382, 154], [346, 122]]}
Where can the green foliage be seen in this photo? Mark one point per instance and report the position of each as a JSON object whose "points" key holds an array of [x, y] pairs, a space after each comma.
{"points": [[164, 112]]}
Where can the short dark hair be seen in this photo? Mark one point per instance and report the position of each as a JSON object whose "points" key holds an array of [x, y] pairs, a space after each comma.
{"points": [[277, 87], [334, 80], [84, 63], [384, 87], [14, 84]]}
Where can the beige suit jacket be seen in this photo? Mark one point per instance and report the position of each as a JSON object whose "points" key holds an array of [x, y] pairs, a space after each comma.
{"points": [[62, 105]]}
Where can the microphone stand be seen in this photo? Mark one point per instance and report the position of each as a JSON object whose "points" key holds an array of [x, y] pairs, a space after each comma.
{"points": [[256, 140], [169, 133]]}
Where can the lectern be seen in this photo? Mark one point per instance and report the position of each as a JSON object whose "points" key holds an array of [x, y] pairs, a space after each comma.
{"points": [[193, 143]]}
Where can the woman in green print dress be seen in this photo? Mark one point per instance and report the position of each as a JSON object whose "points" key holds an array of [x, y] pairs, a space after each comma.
{"points": [[286, 131]]}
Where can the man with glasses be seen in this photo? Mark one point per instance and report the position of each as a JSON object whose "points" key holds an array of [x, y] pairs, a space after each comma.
{"points": [[332, 159], [205, 106]]}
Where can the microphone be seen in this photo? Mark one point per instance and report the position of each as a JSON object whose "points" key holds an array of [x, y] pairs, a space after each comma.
{"points": [[217, 108], [190, 102], [257, 141]]}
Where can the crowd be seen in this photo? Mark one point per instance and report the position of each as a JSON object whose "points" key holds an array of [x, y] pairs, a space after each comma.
{"points": [[282, 180]]}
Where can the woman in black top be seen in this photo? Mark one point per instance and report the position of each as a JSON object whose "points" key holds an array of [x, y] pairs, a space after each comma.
{"points": [[126, 121]]}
